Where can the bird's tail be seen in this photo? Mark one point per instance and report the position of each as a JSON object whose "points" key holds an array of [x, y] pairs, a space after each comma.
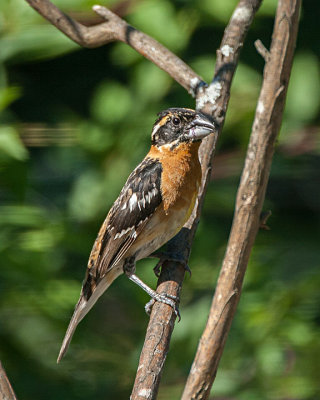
{"points": [[84, 306]]}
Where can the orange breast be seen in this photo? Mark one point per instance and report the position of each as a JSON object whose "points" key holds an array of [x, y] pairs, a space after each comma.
{"points": [[181, 178], [181, 175]]}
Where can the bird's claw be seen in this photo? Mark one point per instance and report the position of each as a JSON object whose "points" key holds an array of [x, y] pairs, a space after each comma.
{"points": [[187, 269], [157, 269], [167, 257], [148, 306], [168, 299]]}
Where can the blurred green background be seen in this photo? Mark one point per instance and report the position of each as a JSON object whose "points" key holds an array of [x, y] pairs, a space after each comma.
{"points": [[74, 123]]}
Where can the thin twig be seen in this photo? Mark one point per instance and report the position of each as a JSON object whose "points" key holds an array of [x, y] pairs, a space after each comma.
{"points": [[6, 391], [261, 49], [116, 29], [249, 201], [213, 100]]}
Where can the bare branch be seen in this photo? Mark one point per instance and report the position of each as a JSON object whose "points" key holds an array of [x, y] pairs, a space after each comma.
{"points": [[214, 100], [262, 50], [116, 29], [157, 340], [249, 201], [6, 391]]}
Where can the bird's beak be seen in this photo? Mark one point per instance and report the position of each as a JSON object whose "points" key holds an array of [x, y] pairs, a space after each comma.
{"points": [[200, 127]]}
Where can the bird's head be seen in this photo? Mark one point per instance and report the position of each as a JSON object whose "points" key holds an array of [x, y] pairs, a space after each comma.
{"points": [[178, 125]]}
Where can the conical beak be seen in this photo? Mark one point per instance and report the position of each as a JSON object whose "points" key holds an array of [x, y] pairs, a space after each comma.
{"points": [[200, 127]]}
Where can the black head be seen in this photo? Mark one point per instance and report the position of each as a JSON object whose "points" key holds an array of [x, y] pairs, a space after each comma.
{"points": [[176, 125]]}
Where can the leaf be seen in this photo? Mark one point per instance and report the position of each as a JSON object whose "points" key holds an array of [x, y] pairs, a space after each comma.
{"points": [[151, 83], [94, 137], [111, 102], [158, 19], [8, 95], [303, 99], [11, 144]]}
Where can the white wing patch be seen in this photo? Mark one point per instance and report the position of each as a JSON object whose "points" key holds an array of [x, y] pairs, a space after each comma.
{"points": [[141, 203], [151, 194], [133, 201], [138, 200], [123, 232]]}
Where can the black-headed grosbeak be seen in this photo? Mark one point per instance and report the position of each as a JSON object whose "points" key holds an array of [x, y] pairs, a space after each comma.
{"points": [[152, 207]]}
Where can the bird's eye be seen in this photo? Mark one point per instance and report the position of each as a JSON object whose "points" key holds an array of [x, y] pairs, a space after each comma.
{"points": [[176, 121]]}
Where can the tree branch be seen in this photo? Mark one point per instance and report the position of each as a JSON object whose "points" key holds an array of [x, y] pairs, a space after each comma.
{"points": [[262, 50], [116, 29], [249, 201], [213, 100], [6, 391]]}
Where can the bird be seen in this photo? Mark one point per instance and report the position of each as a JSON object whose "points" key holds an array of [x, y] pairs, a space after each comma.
{"points": [[152, 207]]}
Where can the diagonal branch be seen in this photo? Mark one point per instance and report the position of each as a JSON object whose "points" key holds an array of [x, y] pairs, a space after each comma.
{"points": [[249, 201], [116, 29], [6, 391], [213, 100]]}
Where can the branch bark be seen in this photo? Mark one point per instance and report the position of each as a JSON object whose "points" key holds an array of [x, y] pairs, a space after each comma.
{"points": [[249, 201], [212, 99], [6, 391], [116, 29]]}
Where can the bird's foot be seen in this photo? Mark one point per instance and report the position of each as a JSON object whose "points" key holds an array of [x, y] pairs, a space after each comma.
{"points": [[129, 266], [166, 299], [163, 298], [163, 256]]}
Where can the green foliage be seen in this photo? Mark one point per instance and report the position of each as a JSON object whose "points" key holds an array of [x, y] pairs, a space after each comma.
{"points": [[74, 123], [111, 103], [25, 36], [303, 94], [11, 145], [152, 16]]}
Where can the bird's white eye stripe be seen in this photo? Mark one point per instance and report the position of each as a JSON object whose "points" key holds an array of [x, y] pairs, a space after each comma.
{"points": [[155, 130]]}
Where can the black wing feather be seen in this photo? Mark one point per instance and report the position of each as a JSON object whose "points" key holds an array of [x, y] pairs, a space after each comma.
{"points": [[137, 201], [139, 198]]}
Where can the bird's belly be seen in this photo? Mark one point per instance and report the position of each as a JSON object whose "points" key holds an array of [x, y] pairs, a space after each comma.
{"points": [[161, 228], [150, 247]]}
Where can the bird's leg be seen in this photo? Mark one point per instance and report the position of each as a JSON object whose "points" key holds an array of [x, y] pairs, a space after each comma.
{"points": [[164, 256], [129, 268]]}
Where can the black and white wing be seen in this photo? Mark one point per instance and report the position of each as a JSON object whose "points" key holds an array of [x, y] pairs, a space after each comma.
{"points": [[138, 200]]}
